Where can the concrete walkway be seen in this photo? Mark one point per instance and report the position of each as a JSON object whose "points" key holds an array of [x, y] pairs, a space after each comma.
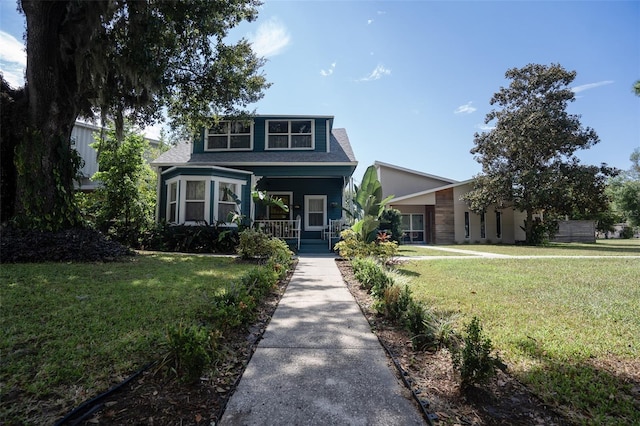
{"points": [[319, 363]]}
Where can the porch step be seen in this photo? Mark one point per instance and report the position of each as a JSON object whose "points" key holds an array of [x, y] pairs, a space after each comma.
{"points": [[313, 246]]}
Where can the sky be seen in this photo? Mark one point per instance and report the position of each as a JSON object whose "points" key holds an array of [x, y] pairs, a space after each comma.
{"points": [[411, 81]]}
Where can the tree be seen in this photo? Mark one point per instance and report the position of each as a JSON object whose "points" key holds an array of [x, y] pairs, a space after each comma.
{"points": [[368, 206], [528, 160], [125, 196], [126, 59], [625, 191]]}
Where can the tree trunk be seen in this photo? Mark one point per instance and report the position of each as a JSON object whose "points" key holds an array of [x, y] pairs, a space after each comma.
{"points": [[528, 227], [57, 37]]}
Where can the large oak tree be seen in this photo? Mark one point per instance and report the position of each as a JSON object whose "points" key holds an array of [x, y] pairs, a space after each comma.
{"points": [[126, 60], [528, 157]]}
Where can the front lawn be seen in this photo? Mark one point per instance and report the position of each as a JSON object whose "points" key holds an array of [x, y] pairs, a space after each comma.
{"points": [[71, 331], [568, 328], [611, 247]]}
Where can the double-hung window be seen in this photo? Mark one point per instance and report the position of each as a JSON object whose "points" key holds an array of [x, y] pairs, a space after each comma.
{"points": [[226, 201], [194, 200], [172, 203], [229, 136], [290, 134], [315, 215]]}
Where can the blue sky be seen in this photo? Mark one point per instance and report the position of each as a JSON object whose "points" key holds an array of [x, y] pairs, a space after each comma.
{"points": [[411, 81]]}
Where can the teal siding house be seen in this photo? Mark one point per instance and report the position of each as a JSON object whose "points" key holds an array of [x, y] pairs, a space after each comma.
{"points": [[301, 159]]}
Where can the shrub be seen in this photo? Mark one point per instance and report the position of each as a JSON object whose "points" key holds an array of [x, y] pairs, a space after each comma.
{"points": [[474, 361], [232, 307], [626, 232], [371, 275], [259, 281], [190, 239], [254, 244], [419, 322], [396, 301], [391, 220], [191, 349]]}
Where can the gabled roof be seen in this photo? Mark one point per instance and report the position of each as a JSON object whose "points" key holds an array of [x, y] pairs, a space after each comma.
{"points": [[431, 191], [415, 172], [340, 152]]}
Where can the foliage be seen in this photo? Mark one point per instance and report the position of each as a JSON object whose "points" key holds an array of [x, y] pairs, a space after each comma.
{"points": [[391, 220], [372, 275], [396, 301], [368, 206], [351, 247], [540, 233], [624, 190], [527, 159], [191, 348], [231, 307], [474, 361], [626, 232], [419, 322], [130, 60], [190, 239], [125, 196], [71, 245], [254, 244]]}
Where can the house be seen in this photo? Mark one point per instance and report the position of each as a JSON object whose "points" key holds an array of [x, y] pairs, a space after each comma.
{"points": [[433, 213], [82, 136], [300, 159]]}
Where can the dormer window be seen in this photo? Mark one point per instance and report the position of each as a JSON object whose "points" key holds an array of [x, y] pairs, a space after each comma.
{"points": [[290, 134], [230, 136]]}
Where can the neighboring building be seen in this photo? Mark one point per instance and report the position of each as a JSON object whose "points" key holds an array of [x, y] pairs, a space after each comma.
{"points": [[82, 136], [432, 212], [301, 159]]}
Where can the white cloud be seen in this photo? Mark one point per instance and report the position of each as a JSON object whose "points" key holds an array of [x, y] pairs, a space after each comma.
{"points": [[369, 21], [465, 109], [270, 39], [379, 72], [326, 73], [584, 87], [485, 127], [381, 12], [13, 59]]}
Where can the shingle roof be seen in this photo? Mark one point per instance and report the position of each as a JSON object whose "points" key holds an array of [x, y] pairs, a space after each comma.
{"points": [[340, 152]]}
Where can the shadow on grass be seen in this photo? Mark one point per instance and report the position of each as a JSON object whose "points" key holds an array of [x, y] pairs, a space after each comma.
{"points": [[589, 391]]}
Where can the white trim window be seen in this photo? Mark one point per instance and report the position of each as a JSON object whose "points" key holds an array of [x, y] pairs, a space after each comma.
{"points": [[290, 134], [195, 200], [230, 136], [226, 204], [315, 212], [172, 202]]}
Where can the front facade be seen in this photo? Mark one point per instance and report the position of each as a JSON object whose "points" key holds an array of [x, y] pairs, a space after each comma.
{"points": [[301, 159], [433, 212]]}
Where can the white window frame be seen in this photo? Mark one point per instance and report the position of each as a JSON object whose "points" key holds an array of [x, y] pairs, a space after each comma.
{"points": [[228, 134], [183, 199], [171, 182], [181, 182], [289, 135], [307, 199], [216, 197]]}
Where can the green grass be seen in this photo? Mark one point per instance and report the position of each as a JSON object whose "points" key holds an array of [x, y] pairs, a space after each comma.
{"points": [[70, 331], [617, 247], [556, 322], [426, 250]]}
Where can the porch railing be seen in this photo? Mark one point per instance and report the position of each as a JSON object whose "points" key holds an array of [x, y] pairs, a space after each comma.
{"points": [[283, 229]]}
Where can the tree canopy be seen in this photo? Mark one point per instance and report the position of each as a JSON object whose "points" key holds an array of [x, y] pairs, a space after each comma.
{"points": [[128, 60], [625, 191], [528, 157]]}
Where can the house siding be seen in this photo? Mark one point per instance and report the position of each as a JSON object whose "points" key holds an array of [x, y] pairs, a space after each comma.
{"points": [[444, 217], [260, 134]]}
